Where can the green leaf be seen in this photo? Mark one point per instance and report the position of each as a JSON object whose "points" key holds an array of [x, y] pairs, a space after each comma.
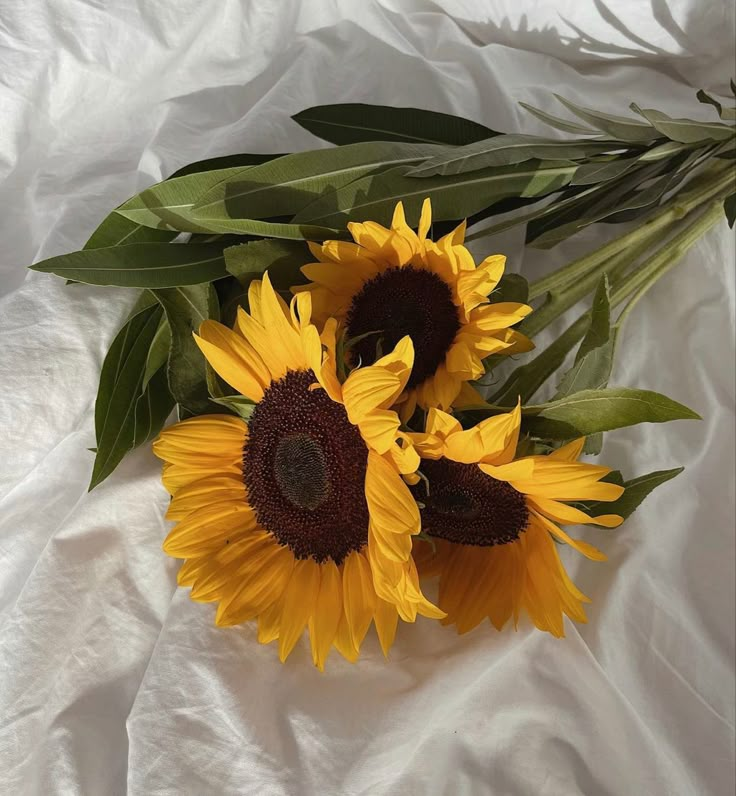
{"points": [[152, 408], [286, 186], [601, 171], [662, 151], [594, 359], [116, 230], [708, 100], [686, 131], [636, 490], [457, 196], [225, 162], [621, 128], [729, 208], [511, 287], [557, 122], [149, 265], [168, 204], [238, 404], [618, 198], [351, 123], [119, 389], [504, 150], [591, 411], [283, 260], [526, 379], [158, 353], [186, 308]]}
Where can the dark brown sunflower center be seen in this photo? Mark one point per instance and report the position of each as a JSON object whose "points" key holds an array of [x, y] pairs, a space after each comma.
{"points": [[466, 506], [404, 301], [304, 468], [300, 470]]}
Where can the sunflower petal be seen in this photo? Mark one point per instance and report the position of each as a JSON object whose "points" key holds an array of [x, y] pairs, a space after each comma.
{"points": [[204, 492], [233, 359], [359, 596], [568, 515], [203, 440], [263, 586], [209, 528], [582, 547], [300, 598], [327, 613], [379, 385], [386, 619]]}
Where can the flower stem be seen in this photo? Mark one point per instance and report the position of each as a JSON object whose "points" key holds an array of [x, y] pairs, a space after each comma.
{"points": [[665, 259], [703, 188]]}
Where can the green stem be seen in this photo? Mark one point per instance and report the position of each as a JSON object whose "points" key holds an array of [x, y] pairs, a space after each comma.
{"points": [[528, 378], [559, 303], [703, 189], [665, 259]]}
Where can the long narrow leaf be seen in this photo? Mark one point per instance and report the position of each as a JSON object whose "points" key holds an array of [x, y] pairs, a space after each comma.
{"points": [[284, 186], [147, 265], [351, 123], [621, 128], [457, 196], [504, 150], [119, 390], [186, 308]]}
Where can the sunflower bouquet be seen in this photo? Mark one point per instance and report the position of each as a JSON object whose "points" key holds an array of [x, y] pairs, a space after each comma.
{"points": [[339, 452]]}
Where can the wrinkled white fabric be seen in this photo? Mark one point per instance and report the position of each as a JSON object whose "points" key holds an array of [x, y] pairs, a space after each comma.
{"points": [[111, 680]]}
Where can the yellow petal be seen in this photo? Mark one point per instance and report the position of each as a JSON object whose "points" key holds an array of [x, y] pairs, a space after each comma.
{"points": [[177, 476], [390, 503], [403, 454], [386, 619], [501, 315], [359, 596], [343, 642], [189, 569], [300, 598], [428, 445], [327, 613], [204, 492], [269, 623], [233, 359], [568, 515], [582, 547], [342, 280], [441, 424], [570, 452], [232, 564], [370, 235], [202, 440], [446, 387], [263, 586], [562, 480], [379, 429], [518, 471], [425, 220], [379, 385], [209, 528]]}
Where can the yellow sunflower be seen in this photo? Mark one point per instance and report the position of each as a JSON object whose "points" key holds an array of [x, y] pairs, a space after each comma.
{"points": [[299, 517], [492, 519], [395, 282]]}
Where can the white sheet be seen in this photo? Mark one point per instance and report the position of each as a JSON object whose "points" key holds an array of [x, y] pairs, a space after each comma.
{"points": [[111, 680]]}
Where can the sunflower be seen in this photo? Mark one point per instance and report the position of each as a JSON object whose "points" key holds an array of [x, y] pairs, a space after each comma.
{"points": [[395, 282], [299, 517], [492, 518]]}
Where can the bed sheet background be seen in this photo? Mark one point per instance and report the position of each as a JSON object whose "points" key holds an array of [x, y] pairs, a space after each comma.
{"points": [[111, 680]]}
